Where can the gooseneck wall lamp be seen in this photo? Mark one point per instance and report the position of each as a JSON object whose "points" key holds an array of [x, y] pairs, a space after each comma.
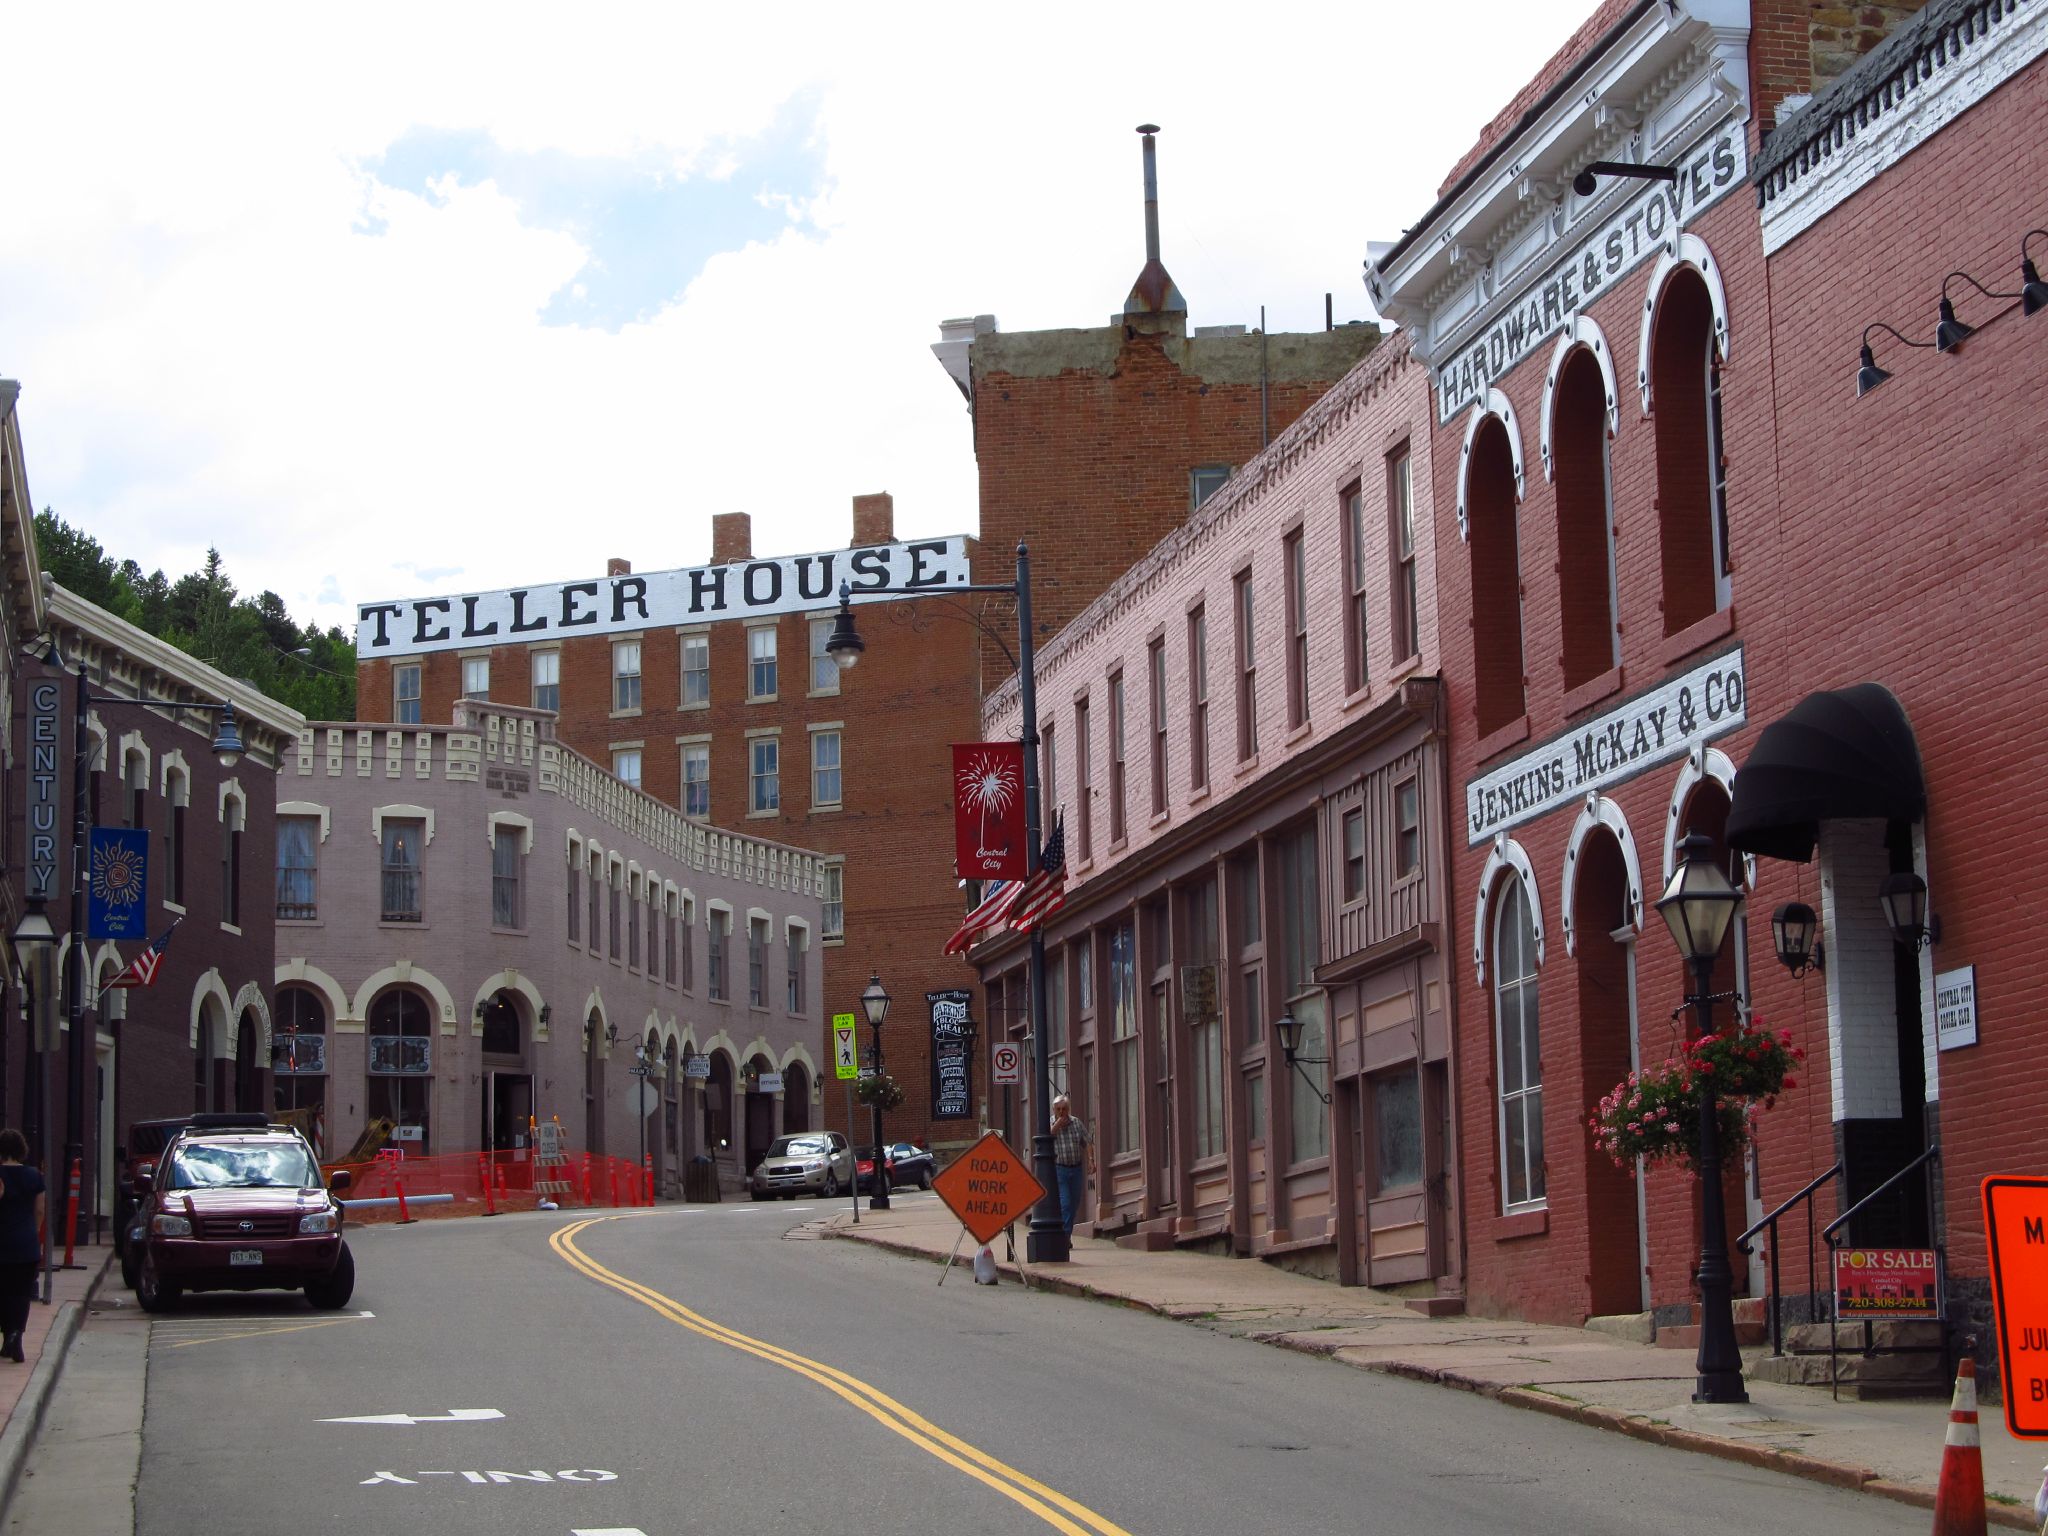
{"points": [[2033, 292], [1869, 375], [1288, 1028], [1588, 178]]}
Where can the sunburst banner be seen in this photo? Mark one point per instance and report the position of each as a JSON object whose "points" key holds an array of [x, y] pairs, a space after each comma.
{"points": [[117, 899], [988, 810]]}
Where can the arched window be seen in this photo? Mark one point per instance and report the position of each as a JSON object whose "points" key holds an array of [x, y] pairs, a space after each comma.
{"points": [[501, 1036], [177, 791], [1518, 1047], [298, 1056], [1585, 518], [401, 1066], [1692, 523], [1496, 579]]}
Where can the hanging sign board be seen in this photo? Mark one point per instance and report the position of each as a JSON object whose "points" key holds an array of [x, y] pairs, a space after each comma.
{"points": [[768, 1082], [952, 1065], [117, 882], [43, 698], [401, 1055], [298, 1054], [696, 1066], [988, 810]]}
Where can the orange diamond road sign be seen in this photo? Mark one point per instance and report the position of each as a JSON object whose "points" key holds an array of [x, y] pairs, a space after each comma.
{"points": [[2016, 1224], [988, 1187]]}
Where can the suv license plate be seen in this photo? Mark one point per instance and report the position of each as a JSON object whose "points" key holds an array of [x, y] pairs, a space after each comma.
{"points": [[238, 1256]]}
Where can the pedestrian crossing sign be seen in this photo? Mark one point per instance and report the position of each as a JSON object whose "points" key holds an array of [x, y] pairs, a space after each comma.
{"points": [[845, 1055]]}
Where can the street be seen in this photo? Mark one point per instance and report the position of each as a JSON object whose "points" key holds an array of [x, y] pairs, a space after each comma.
{"points": [[708, 1368]]}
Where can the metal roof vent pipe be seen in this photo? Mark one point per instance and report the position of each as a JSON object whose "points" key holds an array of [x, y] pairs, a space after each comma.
{"points": [[1154, 294]]}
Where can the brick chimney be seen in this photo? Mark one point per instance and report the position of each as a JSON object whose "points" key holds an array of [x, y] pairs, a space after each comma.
{"points": [[874, 519], [617, 567], [732, 537]]}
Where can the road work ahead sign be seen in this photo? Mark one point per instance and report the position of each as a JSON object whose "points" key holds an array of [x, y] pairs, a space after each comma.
{"points": [[2016, 1223], [988, 1187]]}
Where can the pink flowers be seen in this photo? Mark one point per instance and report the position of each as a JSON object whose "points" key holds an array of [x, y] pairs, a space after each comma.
{"points": [[1652, 1115]]}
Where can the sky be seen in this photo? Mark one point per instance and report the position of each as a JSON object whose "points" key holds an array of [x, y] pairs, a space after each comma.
{"points": [[385, 301]]}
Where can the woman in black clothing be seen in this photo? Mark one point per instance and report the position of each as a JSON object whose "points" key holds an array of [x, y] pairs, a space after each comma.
{"points": [[22, 1203]]}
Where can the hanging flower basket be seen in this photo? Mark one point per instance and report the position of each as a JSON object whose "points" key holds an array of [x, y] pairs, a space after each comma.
{"points": [[1654, 1114], [880, 1089]]}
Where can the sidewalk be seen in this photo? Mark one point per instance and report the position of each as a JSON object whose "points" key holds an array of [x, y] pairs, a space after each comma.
{"points": [[25, 1388], [1889, 1448]]}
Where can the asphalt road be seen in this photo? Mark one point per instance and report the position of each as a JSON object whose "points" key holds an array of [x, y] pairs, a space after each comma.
{"points": [[698, 1369]]}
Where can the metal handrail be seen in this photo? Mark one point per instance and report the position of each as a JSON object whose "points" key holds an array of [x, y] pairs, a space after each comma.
{"points": [[1777, 1288], [1931, 1155]]}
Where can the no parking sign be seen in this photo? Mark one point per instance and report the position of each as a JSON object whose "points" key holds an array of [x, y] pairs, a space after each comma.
{"points": [[1006, 1065]]}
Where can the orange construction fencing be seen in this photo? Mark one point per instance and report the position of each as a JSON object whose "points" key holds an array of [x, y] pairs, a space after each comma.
{"points": [[479, 1183]]}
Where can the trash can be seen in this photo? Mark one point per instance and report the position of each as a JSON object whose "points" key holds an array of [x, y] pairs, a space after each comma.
{"points": [[700, 1179]]}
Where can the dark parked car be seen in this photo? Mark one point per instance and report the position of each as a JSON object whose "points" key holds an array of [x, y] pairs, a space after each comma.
{"points": [[145, 1144], [241, 1207], [903, 1163]]}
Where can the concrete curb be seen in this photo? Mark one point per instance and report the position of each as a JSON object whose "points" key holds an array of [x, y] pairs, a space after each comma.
{"points": [[27, 1418], [1833, 1474]]}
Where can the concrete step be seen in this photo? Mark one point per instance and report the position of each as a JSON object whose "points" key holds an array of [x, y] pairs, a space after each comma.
{"points": [[1634, 1327], [1860, 1376], [1153, 1236], [1750, 1313], [1885, 1333]]}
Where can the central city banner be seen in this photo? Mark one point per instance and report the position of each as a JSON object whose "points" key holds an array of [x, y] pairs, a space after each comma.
{"points": [[115, 908], [988, 810]]}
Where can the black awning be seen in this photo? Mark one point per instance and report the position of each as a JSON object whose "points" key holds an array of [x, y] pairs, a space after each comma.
{"points": [[1835, 755]]}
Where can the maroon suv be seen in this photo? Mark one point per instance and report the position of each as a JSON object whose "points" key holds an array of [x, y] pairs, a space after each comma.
{"points": [[240, 1208]]}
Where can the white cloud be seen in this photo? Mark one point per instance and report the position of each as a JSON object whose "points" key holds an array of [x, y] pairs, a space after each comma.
{"points": [[215, 350]]}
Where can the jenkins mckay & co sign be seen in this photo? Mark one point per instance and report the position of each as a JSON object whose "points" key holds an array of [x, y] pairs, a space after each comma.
{"points": [[749, 589], [1655, 727]]}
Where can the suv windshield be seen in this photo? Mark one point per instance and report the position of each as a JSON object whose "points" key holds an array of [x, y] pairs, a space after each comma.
{"points": [[798, 1146], [243, 1165]]}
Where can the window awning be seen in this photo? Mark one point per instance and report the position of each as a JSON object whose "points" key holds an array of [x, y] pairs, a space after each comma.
{"points": [[1836, 755]]}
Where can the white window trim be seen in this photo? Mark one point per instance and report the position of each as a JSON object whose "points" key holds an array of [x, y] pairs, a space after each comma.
{"points": [[774, 627], [811, 621], [381, 813], [173, 764], [1582, 332], [1599, 811], [497, 819], [131, 741], [1495, 404], [792, 926], [1689, 251], [305, 808], [1506, 855], [231, 789]]}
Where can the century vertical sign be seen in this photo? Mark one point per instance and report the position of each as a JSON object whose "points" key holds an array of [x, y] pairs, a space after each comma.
{"points": [[1664, 723], [43, 698], [747, 589], [1641, 228]]}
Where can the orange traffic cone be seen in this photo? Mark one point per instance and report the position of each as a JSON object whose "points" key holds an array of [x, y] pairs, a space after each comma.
{"points": [[1959, 1501]]}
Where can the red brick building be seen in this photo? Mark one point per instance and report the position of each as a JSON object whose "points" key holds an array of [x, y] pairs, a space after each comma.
{"points": [[1666, 522]]}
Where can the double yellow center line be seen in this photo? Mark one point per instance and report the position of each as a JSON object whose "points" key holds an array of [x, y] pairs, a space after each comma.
{"points": [[1054, 1508]]}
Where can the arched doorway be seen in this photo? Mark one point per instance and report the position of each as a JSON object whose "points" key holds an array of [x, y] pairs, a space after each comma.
{"points": [[298, 1062], [505, 1083], [796, 1098], [593, 1082], [205, 1077], [669, 1161], [1603, 929], [718, 1110], [400, 1082]]}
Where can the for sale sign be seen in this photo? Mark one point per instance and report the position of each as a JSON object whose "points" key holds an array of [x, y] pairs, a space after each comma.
{"points": [[1886, 1282]]}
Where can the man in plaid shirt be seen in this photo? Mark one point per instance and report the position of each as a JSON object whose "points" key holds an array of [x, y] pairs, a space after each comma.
{"points": [[1073, 1156]]}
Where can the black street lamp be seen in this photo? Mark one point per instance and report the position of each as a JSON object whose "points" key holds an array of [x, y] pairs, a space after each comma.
{"points": [[1698, 904], [642, 1068], [1046, 1242], [227, 748], [874, 1002]]}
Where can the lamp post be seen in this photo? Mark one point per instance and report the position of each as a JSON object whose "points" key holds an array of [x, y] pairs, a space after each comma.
{"points": [[1046, 1242], [642, 1066], [874, 1002], [227, 748], [1698, 905]]}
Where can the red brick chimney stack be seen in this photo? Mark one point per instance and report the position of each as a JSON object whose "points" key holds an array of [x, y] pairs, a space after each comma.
{"points": [[732, 537], [874, 519]]}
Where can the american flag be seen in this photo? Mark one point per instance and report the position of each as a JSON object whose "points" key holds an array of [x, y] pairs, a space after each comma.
{"points": [[142, 969], [986, 918], [1045, 891]]}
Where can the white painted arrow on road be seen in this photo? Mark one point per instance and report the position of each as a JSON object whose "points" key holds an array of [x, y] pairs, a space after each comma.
{"points": [[453, 1416]]}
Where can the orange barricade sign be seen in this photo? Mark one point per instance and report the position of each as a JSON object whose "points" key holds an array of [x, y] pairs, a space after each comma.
{"points": [[988, 1186], [2016, 1224]]}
